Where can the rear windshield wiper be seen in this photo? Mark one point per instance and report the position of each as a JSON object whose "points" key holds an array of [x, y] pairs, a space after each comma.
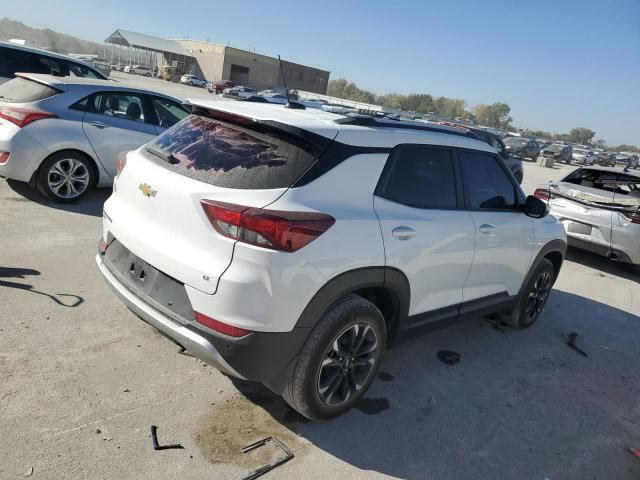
{"points": [[167, 157]]}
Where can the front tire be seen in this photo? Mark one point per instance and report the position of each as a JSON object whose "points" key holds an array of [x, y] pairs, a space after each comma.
{"points": [[339, 360], [65, 177], [533, 296]]}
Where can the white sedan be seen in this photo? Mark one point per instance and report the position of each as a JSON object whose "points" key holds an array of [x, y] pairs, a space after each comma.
{"points": [[64, 135], [240, 91]]}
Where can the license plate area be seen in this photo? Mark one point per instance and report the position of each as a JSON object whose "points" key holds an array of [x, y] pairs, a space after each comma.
{"points": [[158, 289], [579, 228], [141, 274]]}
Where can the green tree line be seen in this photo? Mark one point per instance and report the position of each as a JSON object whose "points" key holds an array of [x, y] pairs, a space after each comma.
{"points": [[496, 115]]}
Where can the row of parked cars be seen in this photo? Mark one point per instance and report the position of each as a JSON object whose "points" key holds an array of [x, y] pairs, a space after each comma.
{"points": [[563, 152]]}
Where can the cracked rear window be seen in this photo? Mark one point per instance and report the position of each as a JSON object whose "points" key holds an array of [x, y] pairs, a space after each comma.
{"points": [[228, 155]]}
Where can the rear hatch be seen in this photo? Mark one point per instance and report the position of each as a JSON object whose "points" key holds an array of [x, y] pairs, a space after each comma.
{"points": [[589, 210], [156, 211]]}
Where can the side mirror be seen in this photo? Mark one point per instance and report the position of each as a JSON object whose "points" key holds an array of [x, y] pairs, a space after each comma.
{"points": [[535, 208]]}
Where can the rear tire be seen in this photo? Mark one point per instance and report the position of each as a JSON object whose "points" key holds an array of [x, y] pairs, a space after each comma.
{"points": [[65, 177], [339, 360], [533, 296]]}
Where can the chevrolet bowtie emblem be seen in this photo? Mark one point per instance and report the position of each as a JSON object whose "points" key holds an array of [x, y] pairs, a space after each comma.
{"points": [[146, 190]]}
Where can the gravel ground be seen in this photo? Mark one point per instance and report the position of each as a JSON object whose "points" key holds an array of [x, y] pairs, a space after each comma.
{"points": [[82, 380]]}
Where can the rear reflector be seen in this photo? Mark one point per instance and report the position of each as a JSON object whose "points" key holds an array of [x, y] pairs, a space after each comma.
{"points": [[273, 229], [24, 116], [121, 162], [103, 246], [4, 157], [219, 326]]}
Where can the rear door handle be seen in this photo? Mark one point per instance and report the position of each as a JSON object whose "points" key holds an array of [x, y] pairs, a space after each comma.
{"points": [[403, 233], [487, 229], [99, 124]]}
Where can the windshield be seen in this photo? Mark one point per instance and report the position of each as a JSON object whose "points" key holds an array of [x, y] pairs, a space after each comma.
{"points": [[227, 155], [554, 147], [22, 90]]}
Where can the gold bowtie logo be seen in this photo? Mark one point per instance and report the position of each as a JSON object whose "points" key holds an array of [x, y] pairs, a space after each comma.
{"points": [[146, 190]]}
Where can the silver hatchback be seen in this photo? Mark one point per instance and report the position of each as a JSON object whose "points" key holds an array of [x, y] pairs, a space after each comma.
{"points": [[600, 210], [64, 135]]}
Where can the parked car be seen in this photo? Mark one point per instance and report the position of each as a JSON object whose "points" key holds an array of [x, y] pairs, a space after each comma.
{"points": [[583, 156], [138, 70], [193, 81], [120, 67], [606, 159], [63, 135], [600, 210], [559, 152], [218, 87], [632, 161], [522, 147], [240, 91], [431, 228], [18, 58]]}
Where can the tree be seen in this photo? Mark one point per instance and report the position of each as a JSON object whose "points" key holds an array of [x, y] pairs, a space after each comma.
{"points": [[601, 143], [581, 135], [495, 115], [626, 148]]}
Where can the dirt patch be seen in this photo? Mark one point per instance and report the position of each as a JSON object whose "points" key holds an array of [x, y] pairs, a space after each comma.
{"points": [[238, 421]]}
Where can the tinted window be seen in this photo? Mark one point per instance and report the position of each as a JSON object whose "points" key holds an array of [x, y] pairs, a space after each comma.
{"points": [[50, 66], [231, 156], [419, 176], [168, 113], [12, 60], [120, 105], [78, 70], [21, 90], [486, 184]]}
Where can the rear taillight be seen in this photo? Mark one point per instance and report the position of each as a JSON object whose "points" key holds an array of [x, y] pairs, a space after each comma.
{"points": [[24, 116], [543, 194], [121, 162], [633, 217], [219, 326], [4, 157], [274, 229]]}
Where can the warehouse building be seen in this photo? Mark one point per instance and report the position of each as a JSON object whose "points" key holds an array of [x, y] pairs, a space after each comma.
{"points": [[243, 67], [216, 62]]}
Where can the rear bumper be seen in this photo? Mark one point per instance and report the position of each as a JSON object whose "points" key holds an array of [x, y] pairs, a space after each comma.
{"points": [[26, 154], [195, 343]]}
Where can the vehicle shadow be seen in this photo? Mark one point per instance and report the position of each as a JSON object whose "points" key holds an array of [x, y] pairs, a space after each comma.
{"points": [[519, 404], [69, 300], [90, 204], [602, 264]]}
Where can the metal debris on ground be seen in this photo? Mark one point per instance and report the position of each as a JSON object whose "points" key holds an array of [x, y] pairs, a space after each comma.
{"points": [[571, 341], [156, 446], [267, 468], [28, 473]]}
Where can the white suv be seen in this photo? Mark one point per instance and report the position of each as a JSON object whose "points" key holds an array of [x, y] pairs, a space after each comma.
{"points": [[291, 247]]}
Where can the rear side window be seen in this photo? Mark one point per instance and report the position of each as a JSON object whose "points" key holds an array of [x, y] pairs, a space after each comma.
{"points": [[22, 90], [419, 176], [227, 155], [78, 70], [168, 113], [486, 184]]}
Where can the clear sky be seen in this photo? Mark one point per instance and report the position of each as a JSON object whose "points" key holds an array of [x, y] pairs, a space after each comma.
{"points": [[559, 64]]}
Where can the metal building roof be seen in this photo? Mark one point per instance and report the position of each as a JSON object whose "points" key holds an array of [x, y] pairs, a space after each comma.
{"points": [[140, 40]]}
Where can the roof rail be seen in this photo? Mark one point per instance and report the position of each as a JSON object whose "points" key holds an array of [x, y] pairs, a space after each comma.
{"points": [[386, 122]]}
